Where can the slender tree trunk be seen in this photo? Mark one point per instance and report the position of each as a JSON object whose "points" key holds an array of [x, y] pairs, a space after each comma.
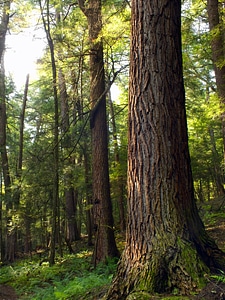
{"points": [[73, 233], [88, 189], [216, 165], [120, 179], [9, 242], [105, 245], [2, 242], [3, 118], [167, 247], [3, 30], [70, 193], [21, 142], [217, 45], [28, 239], [22, 117], [85, 150], [55, 199]]}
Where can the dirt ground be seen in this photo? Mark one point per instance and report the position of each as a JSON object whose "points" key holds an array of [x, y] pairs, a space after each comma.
{"points": [[7, 293], [212, 291]]}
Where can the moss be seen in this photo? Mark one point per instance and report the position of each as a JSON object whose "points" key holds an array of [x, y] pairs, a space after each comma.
{"points": [[175, 298], [140, 296], [192, 264], [151, 276], [147, 296], [177, 270]]}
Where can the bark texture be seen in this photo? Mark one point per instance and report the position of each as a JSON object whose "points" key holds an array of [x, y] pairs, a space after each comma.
{"points": [[105, 245], [70, 194], [167, 247]]}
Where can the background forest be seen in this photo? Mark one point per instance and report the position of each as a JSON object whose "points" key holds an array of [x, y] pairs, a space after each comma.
{"points": [[45, 132]]}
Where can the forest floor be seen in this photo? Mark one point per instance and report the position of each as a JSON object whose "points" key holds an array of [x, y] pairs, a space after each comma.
{"points": [[7, 293], [213, 215]]}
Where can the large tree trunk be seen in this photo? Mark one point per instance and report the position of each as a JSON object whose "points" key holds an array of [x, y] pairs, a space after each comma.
{"points": [[105, 244], [167, 247]]}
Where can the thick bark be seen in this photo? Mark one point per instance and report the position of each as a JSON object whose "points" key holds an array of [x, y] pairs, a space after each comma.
{"points": [[167, 247], [105, 244]]}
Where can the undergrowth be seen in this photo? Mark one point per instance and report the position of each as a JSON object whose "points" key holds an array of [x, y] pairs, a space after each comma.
{"points": [[72, 277]]}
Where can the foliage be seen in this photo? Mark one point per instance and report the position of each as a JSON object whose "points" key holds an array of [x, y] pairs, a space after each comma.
{"points": [[212, 212], [219, 278], [71, 277], [203, 106], [32, 217]]}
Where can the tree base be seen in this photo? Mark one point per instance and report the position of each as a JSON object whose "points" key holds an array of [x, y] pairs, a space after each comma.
{"points": [[169, 270]]}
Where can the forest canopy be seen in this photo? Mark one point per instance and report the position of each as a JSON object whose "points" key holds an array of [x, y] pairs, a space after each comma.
{"points": [[53, 146]]}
